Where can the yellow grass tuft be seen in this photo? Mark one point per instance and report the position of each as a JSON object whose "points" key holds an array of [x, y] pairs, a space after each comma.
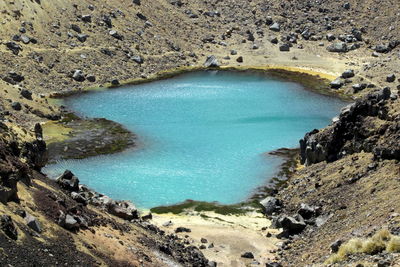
{"points": [[379, 242]]}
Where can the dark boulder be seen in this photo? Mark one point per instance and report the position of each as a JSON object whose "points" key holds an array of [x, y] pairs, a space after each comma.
{"points": [[284, 47], [91, 78], [338, 47], [13, 77], [141, 16], [292, 225], [359, 87], [211, 62], [337, 83], [78, 76], [306, 211], [26, 94], [107, 21], [182, 230], [68, 181], [16, 106], [71, 223], [8, 227], [274, 40], [35, 153], [336, 245], [271, 205], [123, 209], [15, 48], [82, 37], [382, 48], [348, 74], [86, 18], [390, 78], [116, 35], [239, 59], [115, 82], [33, 223], [76, 28], [248, 255]]}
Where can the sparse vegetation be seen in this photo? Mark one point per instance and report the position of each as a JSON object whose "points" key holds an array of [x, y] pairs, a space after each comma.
{"points": [[381, 241], [235, 209]]}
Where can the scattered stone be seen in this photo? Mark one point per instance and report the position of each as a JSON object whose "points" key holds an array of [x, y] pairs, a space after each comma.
{"points": [[68, 181], [348, 74], [291, 225], [390, 78], [336, 245], [33, 223], [141, 16], [76, 28], [167, 224], [247, 255], [273, 264], [87, 18], [203, 240], [274, 40], [276, 27], [330, 37], [79, 197], [306, 211], [339, 47], [91, 78], [147, 217], [211, 62], [15, 48], [123, 209], [115, 82], [82, 37], [25, 39], [271, 205], [182, 230], [138, 59], [382, 48], [233, 52], [70, 223], [116, 35], [13, 78], [337, 83], [78, 76], [16, 106], [359, 87], [239, 59], [284, 47], [26, 94]]}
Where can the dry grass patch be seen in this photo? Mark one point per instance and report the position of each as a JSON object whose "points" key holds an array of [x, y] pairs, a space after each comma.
{"points": [[381, 241]]}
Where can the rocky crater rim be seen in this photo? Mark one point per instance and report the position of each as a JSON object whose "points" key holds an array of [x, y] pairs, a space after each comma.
{"points": [[301, 75]]}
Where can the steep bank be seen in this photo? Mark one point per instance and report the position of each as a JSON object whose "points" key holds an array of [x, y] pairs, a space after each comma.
{"points": [[160, 35]]}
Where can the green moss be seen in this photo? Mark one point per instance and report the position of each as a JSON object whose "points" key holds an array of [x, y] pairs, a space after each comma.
{"points": [[69, 117], [235, 209]]}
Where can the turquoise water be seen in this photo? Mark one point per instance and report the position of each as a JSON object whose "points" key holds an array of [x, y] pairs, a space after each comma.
{"points": [[202, 136]]}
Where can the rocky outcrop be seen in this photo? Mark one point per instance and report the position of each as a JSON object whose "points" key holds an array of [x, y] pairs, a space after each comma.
{"points": [[35, 152], [354, 131]]}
